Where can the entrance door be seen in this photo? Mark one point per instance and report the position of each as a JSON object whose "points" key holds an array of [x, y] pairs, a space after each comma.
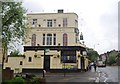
{"points": [[82, 63], [47, 62]]}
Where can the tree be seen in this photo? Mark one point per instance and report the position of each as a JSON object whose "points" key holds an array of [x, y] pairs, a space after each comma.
{"points": [[16, 53], [118, 58], [13, 25], [92, 54], [112, 57]]}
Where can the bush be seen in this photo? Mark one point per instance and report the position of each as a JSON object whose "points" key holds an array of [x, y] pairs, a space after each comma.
{"points": [[31, 79], [30, 76], [111, 60], [36, 80], [16, 80]]}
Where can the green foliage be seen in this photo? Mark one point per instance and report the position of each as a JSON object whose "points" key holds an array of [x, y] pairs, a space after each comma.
{"points": [[112, 58], [118, 58], [16, 53], [92, 54], [36, 80], [16, 80], [22, 80], [13, 24], [13, 21]]}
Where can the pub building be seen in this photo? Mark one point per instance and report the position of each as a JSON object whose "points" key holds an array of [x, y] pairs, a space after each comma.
{"points": [[52, 44]]}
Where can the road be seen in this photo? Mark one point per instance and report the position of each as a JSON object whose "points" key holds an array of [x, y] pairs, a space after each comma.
{"points": [[104, 74], [108, 74]]}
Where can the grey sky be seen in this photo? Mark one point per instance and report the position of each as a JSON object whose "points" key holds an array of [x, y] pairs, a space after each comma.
{"points": [[98, 19]]}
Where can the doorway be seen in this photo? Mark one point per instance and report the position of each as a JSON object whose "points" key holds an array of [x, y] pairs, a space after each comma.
{"points": [[82, 63], [47, 62]]}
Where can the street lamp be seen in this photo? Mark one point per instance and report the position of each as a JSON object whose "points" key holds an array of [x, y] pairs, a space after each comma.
{"points": [[64, 68], [45, 51], [84, 53]]}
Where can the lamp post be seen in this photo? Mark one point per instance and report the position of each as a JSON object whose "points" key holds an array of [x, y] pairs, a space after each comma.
{"points": [[64, 68], [84, 55], [45, 51]]}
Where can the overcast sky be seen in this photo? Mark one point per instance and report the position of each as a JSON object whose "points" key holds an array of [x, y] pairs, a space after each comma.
{"points": [[98, 19]]}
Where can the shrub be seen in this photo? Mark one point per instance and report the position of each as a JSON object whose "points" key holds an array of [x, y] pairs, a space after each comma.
{"points": [[38, 80], [16, 80]]}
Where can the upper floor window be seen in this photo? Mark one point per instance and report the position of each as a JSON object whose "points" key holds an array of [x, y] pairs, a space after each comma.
{"points": [[34, 21], [49, 23], [65, 39], [76, 38], [54, 22], [64, 22], [54, 39], [49, 39], [76, 22], [43, 39], [33, 40]]}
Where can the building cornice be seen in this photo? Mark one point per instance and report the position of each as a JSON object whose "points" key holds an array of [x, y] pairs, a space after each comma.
{"points": [[35, 48], [51, 13]]}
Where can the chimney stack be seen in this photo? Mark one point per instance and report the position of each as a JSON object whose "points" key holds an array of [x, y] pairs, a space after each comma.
{"points": [[60, 10]]}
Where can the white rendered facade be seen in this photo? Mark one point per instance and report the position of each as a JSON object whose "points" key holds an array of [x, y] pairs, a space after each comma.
{"points": [[56, 32]]}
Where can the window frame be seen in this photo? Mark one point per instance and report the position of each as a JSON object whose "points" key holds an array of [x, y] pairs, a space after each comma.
{"points": [[54, 22], [21, 62], [34, 21], [43, 39], [49, 23], [65, 22], [71, 54], [65, 39], [29, 59], [33, 40], [54, 39], [49, 39]]}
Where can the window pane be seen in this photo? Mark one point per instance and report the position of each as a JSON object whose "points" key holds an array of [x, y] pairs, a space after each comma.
{"points": [[30, 59], [43, 39], [54, 22], [49, 39], [64, 22], [49, 23], [21, 62], [33, 40], [54, 39], [68, 56], [65, 39], [34, 21]]}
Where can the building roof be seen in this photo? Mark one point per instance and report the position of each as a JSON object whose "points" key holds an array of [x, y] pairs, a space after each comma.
{"points": [[50, 13]]}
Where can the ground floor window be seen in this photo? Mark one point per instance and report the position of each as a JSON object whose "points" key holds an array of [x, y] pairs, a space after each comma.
{"points": [[68, 59], [21, 62], [30, 59], [68, 56]]}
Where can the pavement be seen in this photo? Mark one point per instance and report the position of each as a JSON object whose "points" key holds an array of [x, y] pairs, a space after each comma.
{"points": [[88, 76], [71, 77]]}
